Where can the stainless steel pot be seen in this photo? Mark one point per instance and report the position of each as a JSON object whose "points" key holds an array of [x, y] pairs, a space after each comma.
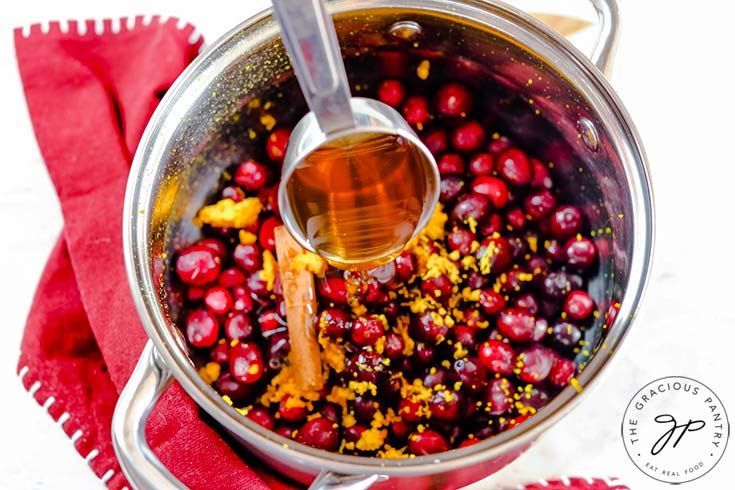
{"points": [[542, 91]]}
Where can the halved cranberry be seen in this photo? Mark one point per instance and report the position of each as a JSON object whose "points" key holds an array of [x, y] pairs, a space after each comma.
{"points": [[233, 192], [394, 346], [231, 277], [539, 204], [514, 167], [429, 328], [248, 257], [472, 205], [581, 252], [198, 265], [416, 111], [481, 164], [579, 305], [250, 175], [453, 99], [320, 433], [241, 300], [436, 141], [292, 411], [334, 323], [471, 372], [276, 144], [438, 288], [468, 137], [450, 163], [562, 372], [450, 187], [262, 417], [334, 289], [227, 385], [427, 442], [537, 361], [516, 324], [246, 362], [497, 356], [391, 92], [218, 299], [565, 335], [541, 176], [565, 222], [238, 326], [499, 396], [266, 237], [202, 328], [366, 330], [461, 239], [491, 301], [220, 353], [492, 187], [497, 252], [447, 405]]}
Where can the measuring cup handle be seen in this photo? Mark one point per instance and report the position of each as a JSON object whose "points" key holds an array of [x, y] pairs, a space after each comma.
{"points": [[608, 16], [311, 42]]}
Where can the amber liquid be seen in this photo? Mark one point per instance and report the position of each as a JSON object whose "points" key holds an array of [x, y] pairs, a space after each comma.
{"points": [[359, 199]]}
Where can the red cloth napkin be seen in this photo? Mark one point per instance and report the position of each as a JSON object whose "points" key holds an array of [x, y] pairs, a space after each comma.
{"points": [[90, 96]]}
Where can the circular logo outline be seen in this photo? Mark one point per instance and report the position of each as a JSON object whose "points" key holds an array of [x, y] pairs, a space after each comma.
{"points": [[626, 419]]}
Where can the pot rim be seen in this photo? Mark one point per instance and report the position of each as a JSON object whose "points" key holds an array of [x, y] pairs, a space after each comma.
{"points": [[533, 36]]}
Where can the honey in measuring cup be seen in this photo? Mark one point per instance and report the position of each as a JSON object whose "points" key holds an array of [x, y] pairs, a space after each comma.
{"points": [[359, 199]]}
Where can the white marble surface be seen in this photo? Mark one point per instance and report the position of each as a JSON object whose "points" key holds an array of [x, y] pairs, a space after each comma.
{"points": [[672, 72]]}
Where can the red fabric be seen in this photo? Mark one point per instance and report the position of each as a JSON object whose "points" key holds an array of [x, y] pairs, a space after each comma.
{"points": [[575, 483], [90, 97]]}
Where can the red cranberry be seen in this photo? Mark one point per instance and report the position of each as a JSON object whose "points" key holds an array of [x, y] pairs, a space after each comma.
{"points": [[514, 167], [536, 396], [497, 356], [435, 376], [384, 274], [581, 252], [320, 433], [474, 319], [493, 225], [277, 349], [565, 222], [493, 188], [233, 192], [216, 245], [195, 293], [473, 205], [248, 257], [450, 187], [266, 236], [453, 99], [498, 251], [271, 322], [231, 277], [276, 144], [365, 408], [499, 396], [554, 251], [202, 328], [499, 144], [491, 301], [423, 354], [198, 265], [366, 330], [246, 362], [241, 300], [334, 289], [251, 175], [416, 111], [262, 417], [238, 327], [426, 442], [285, 431], [470, 372], [429, 329], [391, 92], [516, 218], [218, 299], [469, 442], [579, 305], [516, 324], [367, 366], [541, 176], [394, 346], [400, 429], [334, 323], [461, 239], [290, 411], [562, 372], [406, 266], [410, 410], [438, 288], [558, 284], [565, 335], [447, 405], [269, 198], [481, 164], [468, 137], [476, 280], [539, 204], [436, 141], [257, 285], [526, 302], [540, 329], [331, 411], [464, 335], [537, 361], [220, 353], [450, 163], [227, 385]]}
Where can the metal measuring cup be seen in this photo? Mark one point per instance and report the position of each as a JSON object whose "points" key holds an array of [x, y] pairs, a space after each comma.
{"points": [[311, 42]]}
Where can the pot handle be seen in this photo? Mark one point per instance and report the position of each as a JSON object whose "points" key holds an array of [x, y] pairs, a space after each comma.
{"points": [[333, 481], [149, 381], [608, 16]]}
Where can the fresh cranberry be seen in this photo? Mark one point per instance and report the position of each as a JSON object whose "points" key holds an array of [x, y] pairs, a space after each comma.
{"points": [[238, 326], [423, 354], [271, 322], [453, 99], [540, 329], [562, 372], [541, 176], [195, 293], [331, 411], [468, 137], [384, 274], [474, 319], [220, 353], [198, 265], [427, 442], [291, 411], [269, 197], [231, 277], [464, 335], [262, 417], [554, 251], [558, 284], [539, 204], [233, 192], [438, 288], [565, 335], [214, 244], [499, 396], [202, 328], [218, 299], [365, 408], [266, 237], [435, 376], [367, 366], [391, 92], [461, 239], [516, 218], [447, 405], [481, 164], [410, 410], [257, 285], [277, 349], [285, 431], [394, 346], [248, 257], [498, 357], [333, 289], [470, 372], [581, 252], [366, 330], [436, 141], [565, 222], [450, 163], [537, 361], [334, 323], [250, 175], [241, 300], [497, 252], [406, 266], [514, 167], [526, 302], [494, 224], [400, 429], [276, 144], [428, 328], [475, 280], [320, 433], [246, 362], [354, 433], [491, 301], [227, 385], [472, 205], [450, 187], [493, 188], [469, 442], [579, 305], [416, 111], [516, 324]]}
